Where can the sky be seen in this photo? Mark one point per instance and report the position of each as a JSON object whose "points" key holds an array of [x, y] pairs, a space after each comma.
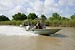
{"points": [[65, 8]]}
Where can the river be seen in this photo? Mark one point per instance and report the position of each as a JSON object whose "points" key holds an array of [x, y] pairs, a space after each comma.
{"points": [[16, 38]]}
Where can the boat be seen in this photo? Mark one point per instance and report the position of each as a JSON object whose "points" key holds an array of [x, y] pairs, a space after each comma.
{"points": [[41, 29], [44, 31]]}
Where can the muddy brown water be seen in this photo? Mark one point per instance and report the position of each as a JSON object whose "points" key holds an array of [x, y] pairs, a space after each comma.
{"points": [[62, 40]]}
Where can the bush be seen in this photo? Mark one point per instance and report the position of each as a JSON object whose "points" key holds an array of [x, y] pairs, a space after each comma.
{"points": [[10, 22]]}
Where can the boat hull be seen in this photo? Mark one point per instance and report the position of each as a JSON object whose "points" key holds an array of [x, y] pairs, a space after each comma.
{"points": [[45, 31]]}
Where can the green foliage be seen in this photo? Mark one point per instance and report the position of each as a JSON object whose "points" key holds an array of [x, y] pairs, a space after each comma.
{"points": [[64, 18], [4, 18], [55, 20], [47, 22], [43, 17], [73, 17], [19, 16], [56, 16], [32, 16], [30, 21], [11, 23]]}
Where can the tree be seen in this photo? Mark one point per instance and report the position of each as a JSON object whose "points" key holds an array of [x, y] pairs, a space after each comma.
{"points": [[19, 16], [64, 18], [43, 17], [56, 16], [32, 16], [4, 18], [73, 16]]}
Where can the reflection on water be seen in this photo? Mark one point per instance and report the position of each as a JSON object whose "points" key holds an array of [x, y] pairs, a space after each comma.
{"points": [[62, 40]]}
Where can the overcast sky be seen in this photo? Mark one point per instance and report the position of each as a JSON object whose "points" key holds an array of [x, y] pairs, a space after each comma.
{"points": [[47, 7]]}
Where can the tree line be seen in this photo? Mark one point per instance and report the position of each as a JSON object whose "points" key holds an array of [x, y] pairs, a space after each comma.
{"points": [[54, 20], [22, 16]]}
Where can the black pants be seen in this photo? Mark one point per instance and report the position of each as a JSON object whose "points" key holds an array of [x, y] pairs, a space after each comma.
{"points": [[39, 27]]}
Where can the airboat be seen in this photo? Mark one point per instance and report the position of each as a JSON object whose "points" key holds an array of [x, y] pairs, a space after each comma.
{"points": [[43, 31]]}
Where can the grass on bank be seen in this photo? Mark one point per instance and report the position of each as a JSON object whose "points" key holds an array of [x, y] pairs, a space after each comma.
{"points": [[55, 23]]}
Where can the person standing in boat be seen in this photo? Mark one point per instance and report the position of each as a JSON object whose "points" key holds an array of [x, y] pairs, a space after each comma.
{"points": [[39, 25]]}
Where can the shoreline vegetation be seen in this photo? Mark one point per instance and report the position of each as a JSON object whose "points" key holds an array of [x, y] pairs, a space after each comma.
{"points": [[51, 24], [55, 20]]}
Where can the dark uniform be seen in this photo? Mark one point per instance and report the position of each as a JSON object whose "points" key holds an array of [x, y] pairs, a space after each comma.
{"points": [[39, 26]]}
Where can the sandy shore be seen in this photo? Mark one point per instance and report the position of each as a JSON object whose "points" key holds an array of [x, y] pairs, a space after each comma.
{"points": [[62, 40]]}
